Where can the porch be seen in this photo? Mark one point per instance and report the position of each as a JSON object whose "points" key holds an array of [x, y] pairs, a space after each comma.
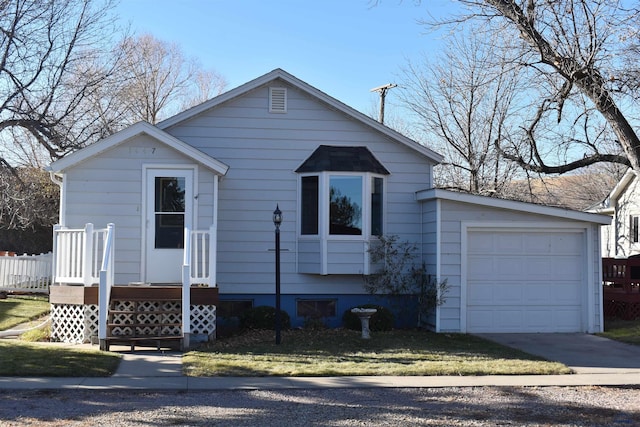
{"points": [[87, 306], [621, 287]]}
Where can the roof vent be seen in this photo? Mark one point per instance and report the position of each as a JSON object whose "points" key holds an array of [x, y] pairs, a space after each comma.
{"points": [[277, 100]]}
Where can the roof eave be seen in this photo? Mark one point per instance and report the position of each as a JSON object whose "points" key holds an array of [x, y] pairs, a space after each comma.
{"points": [[513, 205], [131, 132]]}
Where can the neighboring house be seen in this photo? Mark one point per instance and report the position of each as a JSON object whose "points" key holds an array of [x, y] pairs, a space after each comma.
{"points": [[621, 238], [340, 179]]}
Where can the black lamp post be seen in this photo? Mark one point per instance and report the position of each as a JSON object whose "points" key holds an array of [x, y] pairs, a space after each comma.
{"points": [[277, 220]]}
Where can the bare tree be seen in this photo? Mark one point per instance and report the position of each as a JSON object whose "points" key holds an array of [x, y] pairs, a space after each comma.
{"points": [[42, 99], [157, 80], [581, 111], [464, 101]]}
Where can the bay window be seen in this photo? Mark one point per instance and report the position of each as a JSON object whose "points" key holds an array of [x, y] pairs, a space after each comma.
{"points": [[341, 200]]}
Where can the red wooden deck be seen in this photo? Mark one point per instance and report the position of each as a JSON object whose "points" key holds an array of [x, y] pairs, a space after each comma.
{"points": [[621, 287]]}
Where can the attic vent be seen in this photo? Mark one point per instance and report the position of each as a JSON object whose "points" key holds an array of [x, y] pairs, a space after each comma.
{"points": [[277, 100]]}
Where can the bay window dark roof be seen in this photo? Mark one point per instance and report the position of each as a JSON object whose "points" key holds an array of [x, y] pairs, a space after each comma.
{"points": [[342, 159]]}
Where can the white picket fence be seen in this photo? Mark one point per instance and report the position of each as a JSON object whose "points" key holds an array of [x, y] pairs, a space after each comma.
{"points": [[26, 273]]}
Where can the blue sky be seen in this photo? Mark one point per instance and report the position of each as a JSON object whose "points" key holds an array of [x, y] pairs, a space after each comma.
{"points": [[343, 47]]}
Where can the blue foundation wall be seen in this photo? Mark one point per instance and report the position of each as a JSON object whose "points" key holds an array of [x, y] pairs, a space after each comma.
{"points": [[403, 308]]}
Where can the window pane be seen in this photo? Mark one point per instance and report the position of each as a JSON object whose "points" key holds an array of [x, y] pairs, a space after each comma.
{"points": [[309, 211], [169, 231], [345, 205], [376, 206], [634, 229], [170, 194], [169, 209]]}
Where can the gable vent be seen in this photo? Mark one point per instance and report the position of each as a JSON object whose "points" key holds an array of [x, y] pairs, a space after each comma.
{"points": [[277, 100]]}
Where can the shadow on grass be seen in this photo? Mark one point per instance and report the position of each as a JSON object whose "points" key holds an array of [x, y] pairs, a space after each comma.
{"points": [[343, 352]]}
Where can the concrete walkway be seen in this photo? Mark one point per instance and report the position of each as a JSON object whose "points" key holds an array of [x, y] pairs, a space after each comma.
{"points": [[596, 361]]}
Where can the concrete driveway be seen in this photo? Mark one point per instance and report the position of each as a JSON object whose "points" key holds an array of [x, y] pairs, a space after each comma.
{"points": [[584, 353]]}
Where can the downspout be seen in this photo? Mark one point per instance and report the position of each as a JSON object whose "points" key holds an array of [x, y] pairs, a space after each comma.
{"points": [[57, 179]]}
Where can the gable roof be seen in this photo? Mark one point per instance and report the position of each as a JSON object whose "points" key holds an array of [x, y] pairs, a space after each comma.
{"points": [[342, 159], [131, 132], [310, 90], [607, 206], [512, 205]]}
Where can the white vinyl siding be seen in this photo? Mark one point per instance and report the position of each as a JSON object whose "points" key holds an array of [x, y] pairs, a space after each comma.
{"points": [[452, 215], [109, 189], [262, 151]]}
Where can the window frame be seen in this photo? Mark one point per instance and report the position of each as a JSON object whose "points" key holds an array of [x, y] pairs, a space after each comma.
{"points": [[324, 179], [634, 229]]}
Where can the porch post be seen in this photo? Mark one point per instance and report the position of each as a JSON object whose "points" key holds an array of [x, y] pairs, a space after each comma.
{"points": [[213, 238], [213, 254], [186, 289], [87, 254]]}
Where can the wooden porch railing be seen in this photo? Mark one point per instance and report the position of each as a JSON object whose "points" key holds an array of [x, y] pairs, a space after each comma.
{"points": [[77, 255], [621, 287]]}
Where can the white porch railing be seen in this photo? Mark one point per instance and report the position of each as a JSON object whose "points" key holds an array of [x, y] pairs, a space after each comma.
{"points": [[78, 254], [106, 281], [26, 273], [198, 268]]}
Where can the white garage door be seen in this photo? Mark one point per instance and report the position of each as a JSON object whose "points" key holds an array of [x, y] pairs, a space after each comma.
{"points": [[525, 281]]}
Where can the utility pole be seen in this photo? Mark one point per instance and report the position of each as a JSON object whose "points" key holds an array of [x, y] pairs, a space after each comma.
{"points": [[383, 93]]}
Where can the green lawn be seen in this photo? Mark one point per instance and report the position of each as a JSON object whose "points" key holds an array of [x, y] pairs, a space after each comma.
{"points": [[16, 310], [19, 358], [622, 330], [23, 359], [342, 352]]}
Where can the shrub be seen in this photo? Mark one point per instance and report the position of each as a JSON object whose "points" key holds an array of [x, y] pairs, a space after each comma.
{"points": [[382, 320], [263, 317]]}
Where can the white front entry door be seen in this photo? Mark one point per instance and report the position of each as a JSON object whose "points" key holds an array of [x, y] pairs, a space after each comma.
{"points": [[169, 209]]}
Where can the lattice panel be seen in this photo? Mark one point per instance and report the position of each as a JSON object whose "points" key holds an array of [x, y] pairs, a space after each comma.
{"points": [[74, 324], [621, 309], [203, 319], [79, 323], [91, 320]]}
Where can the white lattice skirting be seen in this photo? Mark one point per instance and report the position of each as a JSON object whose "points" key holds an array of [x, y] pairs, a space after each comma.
{"points": [[79, 323], [74, 323]]}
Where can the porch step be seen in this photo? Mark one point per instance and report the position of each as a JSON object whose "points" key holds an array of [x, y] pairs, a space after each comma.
{"points": [[146, 341], [144, 318]]}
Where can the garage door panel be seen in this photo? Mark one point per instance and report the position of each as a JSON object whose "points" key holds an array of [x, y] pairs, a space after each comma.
{"points": [[522, 281], [509, 243], [538, 293]]}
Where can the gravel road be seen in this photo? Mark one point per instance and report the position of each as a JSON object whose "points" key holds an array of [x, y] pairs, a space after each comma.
{"points": [[480, 406]]}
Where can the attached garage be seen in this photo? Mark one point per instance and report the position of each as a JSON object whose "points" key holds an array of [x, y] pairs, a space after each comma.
{"points": [[525, 280], [512, 267]]}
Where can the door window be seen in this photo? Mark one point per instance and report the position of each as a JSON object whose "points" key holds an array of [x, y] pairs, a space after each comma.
{"points": [[169, 212]]}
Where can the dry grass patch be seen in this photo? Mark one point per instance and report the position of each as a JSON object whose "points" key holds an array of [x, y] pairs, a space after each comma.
{"points": [[340, 352], [622, 330]]}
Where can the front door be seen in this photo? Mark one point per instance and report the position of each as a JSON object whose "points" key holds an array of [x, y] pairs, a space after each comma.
{"points": [[169, 209]]}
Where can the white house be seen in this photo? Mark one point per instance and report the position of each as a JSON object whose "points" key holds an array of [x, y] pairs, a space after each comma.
{"points": [[621, 238], [223, 166]]}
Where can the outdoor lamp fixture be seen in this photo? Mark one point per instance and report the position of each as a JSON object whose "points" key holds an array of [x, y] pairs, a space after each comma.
{"points": [[277, 220]]}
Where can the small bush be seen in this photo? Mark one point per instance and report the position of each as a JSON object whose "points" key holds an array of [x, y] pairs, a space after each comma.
{"points": [[263, 317], [314, 324], [382, 320]]}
